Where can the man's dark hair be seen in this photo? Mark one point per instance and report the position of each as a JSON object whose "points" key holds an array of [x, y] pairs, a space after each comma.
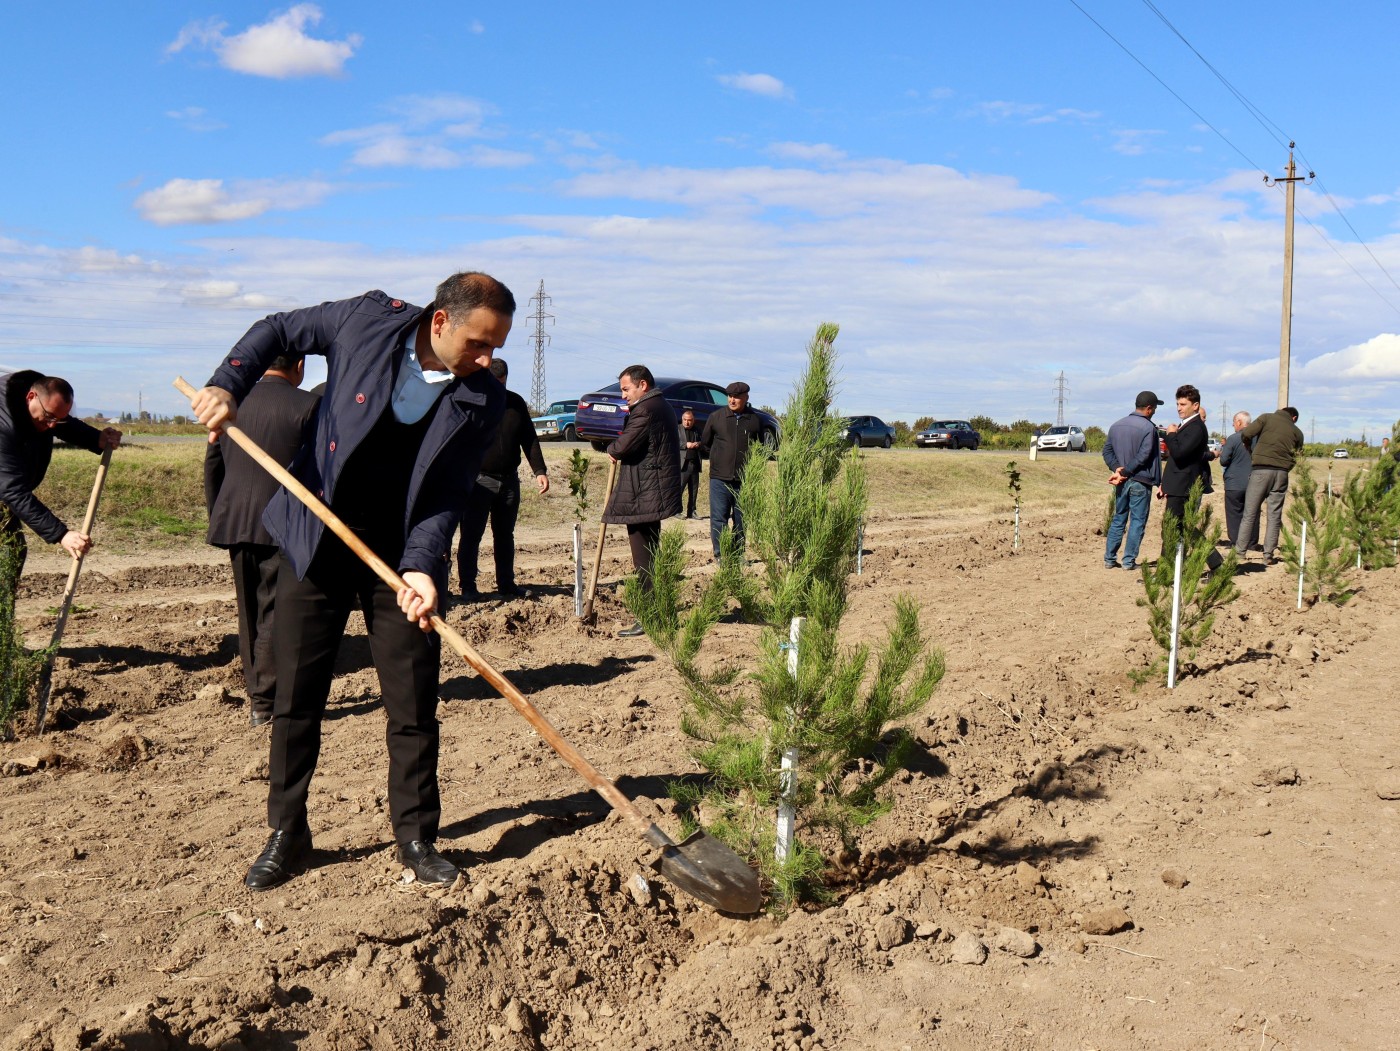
{"points": [[498, 368], [53, 385], [1291, 411], [1189, 392], [639, 374], [287, 362], [462, 293]]}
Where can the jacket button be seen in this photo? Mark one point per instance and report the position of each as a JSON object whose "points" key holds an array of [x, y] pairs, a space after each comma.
{"points": [[235, 362], [396, 303], [332, 446], [320, 492], [359, 399]]}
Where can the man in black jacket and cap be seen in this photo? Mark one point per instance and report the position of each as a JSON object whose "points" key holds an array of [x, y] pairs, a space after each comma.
{"points": [[34, 410], [726, 439], [648, 487]]}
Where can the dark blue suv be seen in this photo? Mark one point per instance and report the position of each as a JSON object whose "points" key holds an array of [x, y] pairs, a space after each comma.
{"points": [[600, 415]]}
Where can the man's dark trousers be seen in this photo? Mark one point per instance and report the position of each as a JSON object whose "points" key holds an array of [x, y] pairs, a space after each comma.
{"points": [[1234, 514], [690, 484], [255, 591], [503, 508], [311, 618]]}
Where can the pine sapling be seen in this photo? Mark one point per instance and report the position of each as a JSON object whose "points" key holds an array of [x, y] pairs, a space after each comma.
{"points": [[841, 712], [19, 669], [1201, 595], [1013, 488], [1372, 518], [1327, 563]]}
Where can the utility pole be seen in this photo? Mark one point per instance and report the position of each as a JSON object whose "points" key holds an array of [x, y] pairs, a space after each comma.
{"points": [[1061, 393], [1286, 338], [538, 399], [1226, 426]]}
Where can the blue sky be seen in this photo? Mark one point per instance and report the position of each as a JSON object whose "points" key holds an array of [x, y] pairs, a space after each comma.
{"points": [[980, 195]]}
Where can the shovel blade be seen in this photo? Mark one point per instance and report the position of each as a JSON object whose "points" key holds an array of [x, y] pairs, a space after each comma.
{"points": [[706, 869]]}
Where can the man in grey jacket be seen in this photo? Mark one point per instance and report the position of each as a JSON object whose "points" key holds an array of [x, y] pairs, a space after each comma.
{"points": [[1235, 465], [1131, 452]]}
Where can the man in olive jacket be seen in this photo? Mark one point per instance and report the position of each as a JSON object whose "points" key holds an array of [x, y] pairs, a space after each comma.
{"points": [[1275, 441], [648, 487]]}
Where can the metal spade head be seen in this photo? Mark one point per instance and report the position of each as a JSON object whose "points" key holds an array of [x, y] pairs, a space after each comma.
{"points": [[705, 868]]}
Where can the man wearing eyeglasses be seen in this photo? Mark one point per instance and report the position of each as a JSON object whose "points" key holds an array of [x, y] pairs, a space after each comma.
{"points": [[34, 411]]}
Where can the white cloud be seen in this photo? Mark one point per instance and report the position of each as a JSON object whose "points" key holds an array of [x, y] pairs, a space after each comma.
{"points": [[279, 48], [183, 201], [1376, 360], [1133, 142], [818, 152], [756, 84], [421, 136]]}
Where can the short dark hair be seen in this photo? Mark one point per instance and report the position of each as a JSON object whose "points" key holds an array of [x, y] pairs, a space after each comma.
{"points": [[639, 374], [462, 293], [499, 368], [287, 362], [1291, 411], [1189, 392], [53, 385]]}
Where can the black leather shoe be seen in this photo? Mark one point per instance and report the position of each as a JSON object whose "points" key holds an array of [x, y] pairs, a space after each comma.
{"points": [[471, 595], [427, 865], [633, 632], [515, 591], [279, 861], [257, 718]]}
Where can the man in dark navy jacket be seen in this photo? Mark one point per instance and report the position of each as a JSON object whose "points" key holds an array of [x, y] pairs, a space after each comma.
{"points": [[408, 411]]}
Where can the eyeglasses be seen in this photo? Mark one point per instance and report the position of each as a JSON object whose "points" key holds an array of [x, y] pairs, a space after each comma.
{"points": [[48, 419]]}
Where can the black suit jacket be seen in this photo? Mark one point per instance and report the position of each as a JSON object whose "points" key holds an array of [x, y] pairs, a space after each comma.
{"points": [[279, 417], [1188, 458]]}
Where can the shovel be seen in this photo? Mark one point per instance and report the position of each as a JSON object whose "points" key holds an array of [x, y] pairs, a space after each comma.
{"points": [[46, 676], [588, 617], [699, 865]]}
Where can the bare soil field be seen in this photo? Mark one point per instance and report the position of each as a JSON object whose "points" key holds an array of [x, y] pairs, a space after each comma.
{"points": [[1071, 862]]}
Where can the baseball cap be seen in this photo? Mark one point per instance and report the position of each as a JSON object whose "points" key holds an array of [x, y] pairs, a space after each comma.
{"points": [[1146, 398], [737, 389]]}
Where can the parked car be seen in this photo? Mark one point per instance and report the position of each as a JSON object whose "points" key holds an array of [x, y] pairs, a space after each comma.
{"points": [[869, 430], [1340, 454], [556, 423], [602, 413], [1214, 446], [948, 434], [1068, 439]]}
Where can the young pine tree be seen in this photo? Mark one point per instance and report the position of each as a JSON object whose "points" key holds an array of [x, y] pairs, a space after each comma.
{"points": [[1327, 562], [1372, 519], [841, 710], [1201, 596], [19, 669]]}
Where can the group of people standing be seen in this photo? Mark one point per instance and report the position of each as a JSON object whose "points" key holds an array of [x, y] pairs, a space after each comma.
{"points": [[1255, 461]]}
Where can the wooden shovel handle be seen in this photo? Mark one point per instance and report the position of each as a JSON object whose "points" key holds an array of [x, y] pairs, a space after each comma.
{"points": [[602, 535], [499, 682]]}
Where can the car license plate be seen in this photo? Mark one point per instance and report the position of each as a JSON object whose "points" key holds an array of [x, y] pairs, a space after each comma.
{"points": [[605, 408]]}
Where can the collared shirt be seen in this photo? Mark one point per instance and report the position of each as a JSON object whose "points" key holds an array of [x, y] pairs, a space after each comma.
{"points": [[417, 388]]}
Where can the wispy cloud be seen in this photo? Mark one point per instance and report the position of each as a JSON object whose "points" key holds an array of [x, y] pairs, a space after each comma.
{"points": [[279, 48], [999, 110], [1133, 142], [818, 152], [756, 84], [195, 118], [186, 201], [424, 133]]}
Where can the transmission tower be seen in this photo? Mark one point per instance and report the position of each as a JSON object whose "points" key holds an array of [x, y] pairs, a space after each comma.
{"points": [[1061, 394], [538, 398]]}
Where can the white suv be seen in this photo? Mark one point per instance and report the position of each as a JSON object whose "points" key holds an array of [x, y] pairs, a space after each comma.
{"points": [[1070, 439]]}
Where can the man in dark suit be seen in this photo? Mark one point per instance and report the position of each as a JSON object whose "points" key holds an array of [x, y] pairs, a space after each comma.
{"points": [[690, 461], [279, 417], [1188, 459]]}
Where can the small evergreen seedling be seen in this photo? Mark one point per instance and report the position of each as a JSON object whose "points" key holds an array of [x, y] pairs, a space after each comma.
{"points": [[1372, 505], [1013, 488], [840, 713], [19, 669], [1200, 598], [1326, 564], [578, 482]]}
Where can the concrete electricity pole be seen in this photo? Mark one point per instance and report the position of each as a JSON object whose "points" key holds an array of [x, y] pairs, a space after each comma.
{"points": [[1285, 340], [538, 398]]}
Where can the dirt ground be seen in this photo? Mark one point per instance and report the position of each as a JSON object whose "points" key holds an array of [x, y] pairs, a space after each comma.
{"points": [[1071, 863]]}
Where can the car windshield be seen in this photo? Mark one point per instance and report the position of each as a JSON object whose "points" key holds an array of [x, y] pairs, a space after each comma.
{"points": [[1058, 430], [558, 407], [943, 425]]}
